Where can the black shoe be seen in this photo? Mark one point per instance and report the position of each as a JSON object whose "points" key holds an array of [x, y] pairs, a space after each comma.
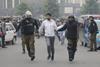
{"points": [[48, 57], [90, 50], [70, 59], [52, 58], [85, 45], [82, 43], [71, 56], [23, 52], [4, 47], [98, 48], [95, 50], [32, 58]]}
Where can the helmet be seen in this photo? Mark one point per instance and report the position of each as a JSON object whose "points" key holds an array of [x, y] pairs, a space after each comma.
{"points": [[28, 13]]}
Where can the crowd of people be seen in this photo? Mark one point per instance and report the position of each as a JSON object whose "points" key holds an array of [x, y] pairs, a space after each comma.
{"points": [[3, 21], [62, 28]]}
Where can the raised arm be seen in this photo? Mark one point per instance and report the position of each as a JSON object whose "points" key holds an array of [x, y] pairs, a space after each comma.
{"points": [[19, 26], [41, 28], [63, 28]]}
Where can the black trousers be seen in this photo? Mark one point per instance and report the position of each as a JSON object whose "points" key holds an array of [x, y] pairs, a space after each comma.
{"points": [[3, 41], [50, 45], [72, 47]]}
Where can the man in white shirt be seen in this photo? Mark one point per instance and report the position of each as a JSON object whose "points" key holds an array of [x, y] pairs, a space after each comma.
{"points": [[49, 26]]}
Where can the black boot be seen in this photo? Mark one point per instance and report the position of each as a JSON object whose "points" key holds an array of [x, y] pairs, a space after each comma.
{"points": [[23, 51], [32, 58], [71, 54]]}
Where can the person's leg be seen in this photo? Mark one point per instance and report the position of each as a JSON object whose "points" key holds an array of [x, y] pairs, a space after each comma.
{"points": [[85, 39], [74, 47], [52, 39], [32, 47], [26, 39], [57, 34], [23, 45], [91, 43], [70, 50], [3, 41], [48, 47], [63, 39], [95, 44]]}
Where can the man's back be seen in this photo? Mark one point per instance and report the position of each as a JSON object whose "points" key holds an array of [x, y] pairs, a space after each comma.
{"points": [[72, 29], [27, 26]]}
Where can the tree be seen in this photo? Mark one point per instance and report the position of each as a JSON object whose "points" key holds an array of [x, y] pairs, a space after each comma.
{"points": [[22, 8], [91, 7], [52, 7]]}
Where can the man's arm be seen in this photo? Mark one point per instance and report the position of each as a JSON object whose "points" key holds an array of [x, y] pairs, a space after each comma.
{"points": [[36, 24], [96, 28], [41, 28], [55, 25], [19, 26], [63, 28]]}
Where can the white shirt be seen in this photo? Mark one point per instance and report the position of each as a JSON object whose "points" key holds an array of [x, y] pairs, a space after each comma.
{"points": [[49, 27]]}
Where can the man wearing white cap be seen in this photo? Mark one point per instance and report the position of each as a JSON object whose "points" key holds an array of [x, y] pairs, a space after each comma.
{"points": [[27, 30]]}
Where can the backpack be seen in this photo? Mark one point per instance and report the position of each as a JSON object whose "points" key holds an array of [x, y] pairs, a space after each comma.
{"points": [[28, 27]]}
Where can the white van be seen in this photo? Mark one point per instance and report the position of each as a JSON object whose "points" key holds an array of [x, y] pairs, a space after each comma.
{"points": [[10, 33]]}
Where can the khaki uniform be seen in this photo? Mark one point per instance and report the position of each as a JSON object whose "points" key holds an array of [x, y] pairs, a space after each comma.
{"points": [[23, 43], [92, 42], [29, 41]]}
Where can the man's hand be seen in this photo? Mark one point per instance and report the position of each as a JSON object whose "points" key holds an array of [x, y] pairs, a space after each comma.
{"points": [[37, 35]]}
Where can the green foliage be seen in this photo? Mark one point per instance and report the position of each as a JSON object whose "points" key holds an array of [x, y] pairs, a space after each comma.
{"points": [[22, 8], [52, 7], [91, 7]]}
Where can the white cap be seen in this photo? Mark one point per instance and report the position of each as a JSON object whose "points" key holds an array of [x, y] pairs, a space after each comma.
{"points": [[28, 13]]}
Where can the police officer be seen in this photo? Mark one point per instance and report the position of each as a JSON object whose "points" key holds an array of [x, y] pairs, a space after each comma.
{"points": [[72, 36], [27, 30], [93, 30]]}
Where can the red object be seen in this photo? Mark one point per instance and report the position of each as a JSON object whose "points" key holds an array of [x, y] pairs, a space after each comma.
{"points": [[1, 34]]}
